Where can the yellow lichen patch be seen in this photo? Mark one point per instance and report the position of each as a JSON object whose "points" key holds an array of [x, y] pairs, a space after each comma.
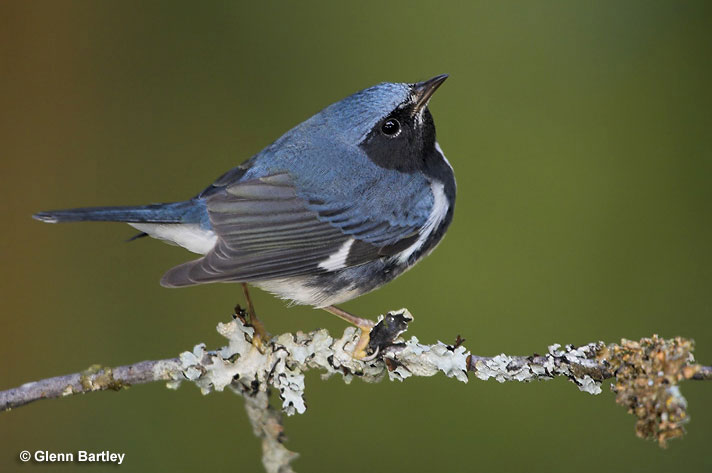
{"points": [[86, 377], [646, 376], [96, 378]]}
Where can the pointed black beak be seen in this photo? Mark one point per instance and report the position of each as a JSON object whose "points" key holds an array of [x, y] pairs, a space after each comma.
{"points": [[422, 91]]}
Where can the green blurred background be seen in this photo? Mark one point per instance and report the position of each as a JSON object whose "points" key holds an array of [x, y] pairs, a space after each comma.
{"points": [[580, 133]]}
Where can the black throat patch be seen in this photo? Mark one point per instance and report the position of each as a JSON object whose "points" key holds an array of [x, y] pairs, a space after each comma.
{"points": [[410, 149]]}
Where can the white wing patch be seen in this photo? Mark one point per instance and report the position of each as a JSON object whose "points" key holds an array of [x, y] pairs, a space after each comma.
{"points": [[188, 235], [338, 260]]}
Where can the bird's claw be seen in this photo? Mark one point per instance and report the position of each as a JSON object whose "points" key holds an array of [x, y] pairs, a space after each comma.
{"points": [[359, 352], [261, 336]]}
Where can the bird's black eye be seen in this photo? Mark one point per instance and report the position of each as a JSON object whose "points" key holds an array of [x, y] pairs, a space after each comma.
{"points": [[390, 127]]}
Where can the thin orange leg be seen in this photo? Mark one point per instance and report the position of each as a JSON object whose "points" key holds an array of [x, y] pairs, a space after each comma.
{"points": [[261, 335], [365, 325]]}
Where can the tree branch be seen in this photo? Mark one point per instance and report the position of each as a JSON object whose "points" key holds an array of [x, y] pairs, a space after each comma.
{"points": [[95, 378], [646, 373]]}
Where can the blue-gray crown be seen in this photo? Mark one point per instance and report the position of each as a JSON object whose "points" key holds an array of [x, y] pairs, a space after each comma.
{"points": [[354, 116]]}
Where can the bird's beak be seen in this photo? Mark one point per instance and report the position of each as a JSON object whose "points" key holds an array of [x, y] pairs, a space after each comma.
{"points": [[422, 91]]}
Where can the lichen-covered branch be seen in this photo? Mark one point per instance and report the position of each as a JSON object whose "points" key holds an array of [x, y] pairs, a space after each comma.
{"points": [[646, 373], [267, 426]]}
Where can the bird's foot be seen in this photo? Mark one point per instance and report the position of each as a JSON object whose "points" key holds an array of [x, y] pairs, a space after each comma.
{"points": [[365, 325], [361, 350], [261, 335]]}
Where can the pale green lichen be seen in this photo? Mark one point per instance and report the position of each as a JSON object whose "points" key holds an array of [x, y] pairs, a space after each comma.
{"points": [[282, 363], [646, 372], [571, 362]]}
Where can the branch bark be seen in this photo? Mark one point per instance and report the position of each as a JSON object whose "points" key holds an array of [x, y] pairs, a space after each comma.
{"points": [[95, 378], [646, 373]]}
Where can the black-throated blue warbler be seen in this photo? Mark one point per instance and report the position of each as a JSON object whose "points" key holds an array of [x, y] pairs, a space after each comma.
{"points": [[338, 206]]}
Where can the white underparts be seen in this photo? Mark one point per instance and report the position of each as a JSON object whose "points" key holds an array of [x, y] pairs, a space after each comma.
{"points": [[188, 235], [300, 290], [338, 260]]}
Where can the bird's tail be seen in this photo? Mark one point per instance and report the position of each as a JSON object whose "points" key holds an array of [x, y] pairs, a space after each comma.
{"points": [[177, 212]]}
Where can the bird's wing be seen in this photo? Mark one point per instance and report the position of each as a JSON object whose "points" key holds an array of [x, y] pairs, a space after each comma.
{"points": [[267, 230]]}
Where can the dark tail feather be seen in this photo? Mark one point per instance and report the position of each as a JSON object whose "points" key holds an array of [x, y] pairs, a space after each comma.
{"points": [[137, 236], [177, 212]]}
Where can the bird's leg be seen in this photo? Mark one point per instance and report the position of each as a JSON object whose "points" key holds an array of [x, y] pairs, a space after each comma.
{"points": [[261, 334], [365, 325]]}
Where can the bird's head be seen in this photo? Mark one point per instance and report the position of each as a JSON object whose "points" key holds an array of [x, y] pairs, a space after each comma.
{"points": [[389, 121]]}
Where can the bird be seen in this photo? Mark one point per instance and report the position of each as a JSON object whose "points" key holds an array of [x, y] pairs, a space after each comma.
{"points": [[338, 206]]}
